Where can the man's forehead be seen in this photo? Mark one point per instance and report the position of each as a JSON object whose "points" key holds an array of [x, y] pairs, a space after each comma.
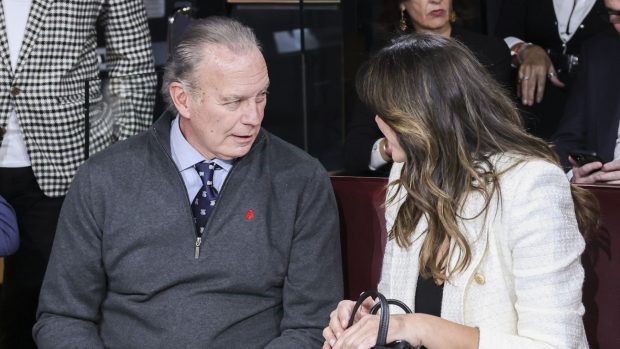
{"points": [[232, 74], [221, 56]]}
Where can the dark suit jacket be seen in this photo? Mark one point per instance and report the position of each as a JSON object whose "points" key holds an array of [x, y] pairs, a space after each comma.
{"points": [[363, 132], [593, 109], [535, 21]]}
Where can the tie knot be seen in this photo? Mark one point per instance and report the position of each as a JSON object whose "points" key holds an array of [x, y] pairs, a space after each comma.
{"points": [[205, 171]]}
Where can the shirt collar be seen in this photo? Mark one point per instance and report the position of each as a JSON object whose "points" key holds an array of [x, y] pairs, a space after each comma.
{"points": [[184, 155]]}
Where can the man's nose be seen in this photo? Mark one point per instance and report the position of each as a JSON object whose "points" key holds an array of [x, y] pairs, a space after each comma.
{"points": [[253, 113]]}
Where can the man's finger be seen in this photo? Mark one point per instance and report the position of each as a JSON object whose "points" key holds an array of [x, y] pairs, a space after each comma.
{"points": [[607, 177], [612, 166]]}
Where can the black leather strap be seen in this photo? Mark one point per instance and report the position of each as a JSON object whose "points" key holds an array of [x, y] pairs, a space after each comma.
{"points": [[375, 308], [385, 315], [382, 304]]}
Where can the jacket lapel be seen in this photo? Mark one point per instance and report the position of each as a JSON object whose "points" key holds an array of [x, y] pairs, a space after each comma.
{"points": [[476, 232], [36, 18], [4, 44]]}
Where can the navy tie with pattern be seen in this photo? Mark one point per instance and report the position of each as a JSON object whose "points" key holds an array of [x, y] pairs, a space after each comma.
{"points": [[204, 202]]}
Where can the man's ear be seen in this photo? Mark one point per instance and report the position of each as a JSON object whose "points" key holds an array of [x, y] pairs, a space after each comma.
{"points": [[181, 98]]}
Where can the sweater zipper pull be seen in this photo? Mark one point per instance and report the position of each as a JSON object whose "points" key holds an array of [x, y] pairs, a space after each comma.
{"points": [[197, 251]]}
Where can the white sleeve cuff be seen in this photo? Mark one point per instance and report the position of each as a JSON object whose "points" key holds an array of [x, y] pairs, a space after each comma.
{"points": [[511, 41]]}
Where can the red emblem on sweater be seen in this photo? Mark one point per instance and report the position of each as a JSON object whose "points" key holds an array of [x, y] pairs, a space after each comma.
{"points": [[249, 215]]}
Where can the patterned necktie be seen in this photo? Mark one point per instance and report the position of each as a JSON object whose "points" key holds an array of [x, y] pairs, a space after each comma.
{"points": [[204, 202]]}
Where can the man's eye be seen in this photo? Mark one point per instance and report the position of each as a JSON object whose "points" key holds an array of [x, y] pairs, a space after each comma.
{"points": [[261, 97]]}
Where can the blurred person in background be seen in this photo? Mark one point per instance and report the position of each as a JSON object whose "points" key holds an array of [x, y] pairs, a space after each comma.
{"points": [[592, 118], [366, 152], [545, 38], [47, 56]]}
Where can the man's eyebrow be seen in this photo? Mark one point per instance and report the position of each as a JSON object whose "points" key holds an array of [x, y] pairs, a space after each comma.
{"points": [[233, 98]]}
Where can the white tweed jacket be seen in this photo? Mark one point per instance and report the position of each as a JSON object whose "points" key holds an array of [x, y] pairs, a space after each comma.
{"points": [[47, 87], [522, 288]]}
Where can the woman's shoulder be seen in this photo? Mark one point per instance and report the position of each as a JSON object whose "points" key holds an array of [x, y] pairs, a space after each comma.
{"points": [[518, 172]]}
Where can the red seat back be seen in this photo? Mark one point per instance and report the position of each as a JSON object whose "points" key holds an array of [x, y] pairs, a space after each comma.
{"points": [[601, 261], [362, 231]]}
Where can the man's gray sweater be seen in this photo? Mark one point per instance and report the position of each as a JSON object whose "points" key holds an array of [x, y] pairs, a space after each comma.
{"points": [[123, 272]]}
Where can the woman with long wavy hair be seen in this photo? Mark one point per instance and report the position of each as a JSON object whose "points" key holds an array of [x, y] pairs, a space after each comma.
{"points": [[484, 227]]}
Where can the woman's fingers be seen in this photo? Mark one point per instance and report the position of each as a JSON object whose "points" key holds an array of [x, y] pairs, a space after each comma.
{"points": [[540, 74], [330, 338], [534, 71], [362, 335]]}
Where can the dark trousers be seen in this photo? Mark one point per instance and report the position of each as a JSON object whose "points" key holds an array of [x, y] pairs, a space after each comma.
{"points": [[37, 217]]}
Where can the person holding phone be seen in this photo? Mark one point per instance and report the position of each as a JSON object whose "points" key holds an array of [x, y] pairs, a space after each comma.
{"points": [[484, 228], [592, 118]]}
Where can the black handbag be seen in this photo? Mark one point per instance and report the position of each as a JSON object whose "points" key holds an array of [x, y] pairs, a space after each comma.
{"points": [[383, 305]]}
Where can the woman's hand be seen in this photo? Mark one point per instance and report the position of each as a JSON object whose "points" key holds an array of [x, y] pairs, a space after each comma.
{"points": [[363, 334], [534, 70], [339, 319]]}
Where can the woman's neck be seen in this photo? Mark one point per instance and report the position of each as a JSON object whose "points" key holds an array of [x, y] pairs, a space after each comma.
{"points": [[445, 31]]}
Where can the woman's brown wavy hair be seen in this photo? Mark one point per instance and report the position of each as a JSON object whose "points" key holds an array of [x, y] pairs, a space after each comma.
{"points": [[450, 117]]}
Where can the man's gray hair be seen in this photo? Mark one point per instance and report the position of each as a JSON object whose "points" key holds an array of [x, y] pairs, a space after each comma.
{"points": [[188, 52]]}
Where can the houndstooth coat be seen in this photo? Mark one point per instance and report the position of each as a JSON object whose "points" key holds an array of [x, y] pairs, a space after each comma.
{"points": [[47, 88]]}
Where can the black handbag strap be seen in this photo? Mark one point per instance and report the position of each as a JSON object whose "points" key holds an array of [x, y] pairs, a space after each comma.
{"points": [[384, 322], [375, 308], [382, 304]]}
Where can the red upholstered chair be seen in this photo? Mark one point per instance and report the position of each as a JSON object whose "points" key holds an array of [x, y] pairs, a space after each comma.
{"points": [[601, 261], [363, 242], [362, 231]]}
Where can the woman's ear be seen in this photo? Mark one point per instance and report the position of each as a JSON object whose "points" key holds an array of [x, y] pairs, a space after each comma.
{"points": [[181, 98]]}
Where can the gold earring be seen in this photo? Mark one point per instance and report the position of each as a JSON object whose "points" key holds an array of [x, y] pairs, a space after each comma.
{"points": [[402, 24], [452, 16]]}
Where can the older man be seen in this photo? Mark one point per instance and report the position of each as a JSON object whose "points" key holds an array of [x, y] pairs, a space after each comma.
{"points": [[204, 232], [592, 118]]}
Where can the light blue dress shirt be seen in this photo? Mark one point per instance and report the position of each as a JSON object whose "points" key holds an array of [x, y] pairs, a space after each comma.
{"points": [[185, 157]]}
